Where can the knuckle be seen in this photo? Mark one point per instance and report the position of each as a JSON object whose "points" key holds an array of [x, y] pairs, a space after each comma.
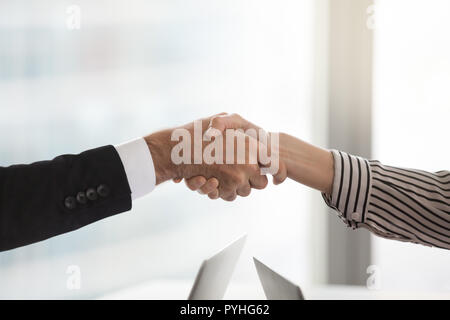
{"points": [[204, 190], [226, 191], [191, 186], [236, 116], [216, 121], [209, 185], [236, 177], [215, 183], [241, 176], [243, 180], [254, 168]]}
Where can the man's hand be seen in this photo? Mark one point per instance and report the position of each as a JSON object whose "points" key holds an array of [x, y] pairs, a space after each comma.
{"points": [[224, 181], [222, 122]]}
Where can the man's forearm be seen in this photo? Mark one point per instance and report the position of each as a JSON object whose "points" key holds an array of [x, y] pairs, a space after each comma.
{"points": [[307, 164]]}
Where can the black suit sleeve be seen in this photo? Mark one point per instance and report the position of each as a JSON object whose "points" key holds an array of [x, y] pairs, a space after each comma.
{"points": [[48, 198]]}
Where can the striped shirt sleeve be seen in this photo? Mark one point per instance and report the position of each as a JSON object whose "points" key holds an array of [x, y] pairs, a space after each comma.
{"points": [[394, 203]]}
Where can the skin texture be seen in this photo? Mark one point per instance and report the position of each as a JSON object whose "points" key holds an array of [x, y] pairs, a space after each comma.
{"points": [[225, 181], [307, 164], [299, 160]]}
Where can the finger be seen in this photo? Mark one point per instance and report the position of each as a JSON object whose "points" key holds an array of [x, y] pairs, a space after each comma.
{"points": [[281, 175], [214, 194], [270, 163], [209, 119], [223, 122], [264, 155], [230, 197], [258, 181], [227, 195], [195, 183], [244, 191], [210, 185]]}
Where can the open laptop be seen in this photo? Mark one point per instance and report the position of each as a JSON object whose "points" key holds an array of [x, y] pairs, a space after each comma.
{"points": [[275, 286], [215, 273]]}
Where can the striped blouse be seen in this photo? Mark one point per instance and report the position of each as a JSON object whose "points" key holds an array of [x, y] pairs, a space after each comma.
{"points": [[394, 203]]}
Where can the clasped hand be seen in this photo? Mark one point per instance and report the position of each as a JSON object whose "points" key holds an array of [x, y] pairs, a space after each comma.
{"points": [[231, 158]]}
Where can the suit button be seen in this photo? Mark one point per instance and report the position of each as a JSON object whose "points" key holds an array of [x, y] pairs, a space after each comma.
{"points": [[70, 203], [91, 194], [103, 190], [81, 198]]}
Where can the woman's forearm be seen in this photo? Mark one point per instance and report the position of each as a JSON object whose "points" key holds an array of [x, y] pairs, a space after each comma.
{"points": [[394, 203], [307, 164]]}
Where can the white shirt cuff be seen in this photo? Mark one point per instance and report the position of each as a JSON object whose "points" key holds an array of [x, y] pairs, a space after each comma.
{"points": [[138, 163]]}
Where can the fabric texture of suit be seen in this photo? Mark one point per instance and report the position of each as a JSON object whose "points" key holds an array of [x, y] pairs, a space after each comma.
{"points": [[48, 198]]}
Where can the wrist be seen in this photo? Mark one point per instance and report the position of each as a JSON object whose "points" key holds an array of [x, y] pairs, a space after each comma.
{"points": [[307, 164], [285, 151], [160, 146]]}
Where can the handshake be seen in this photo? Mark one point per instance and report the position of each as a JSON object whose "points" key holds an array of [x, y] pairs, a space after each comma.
{"points": [[223, 156]]}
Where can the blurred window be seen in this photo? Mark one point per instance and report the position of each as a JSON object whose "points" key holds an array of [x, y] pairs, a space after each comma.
{"points": [[102, 72], [411, 121]]}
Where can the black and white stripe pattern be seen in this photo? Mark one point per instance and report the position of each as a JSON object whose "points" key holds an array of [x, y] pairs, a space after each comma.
{"points": [[394, 203]]}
